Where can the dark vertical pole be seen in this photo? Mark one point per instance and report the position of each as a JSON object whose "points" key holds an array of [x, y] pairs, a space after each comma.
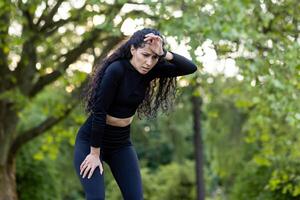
{"points": [[198, 145]]}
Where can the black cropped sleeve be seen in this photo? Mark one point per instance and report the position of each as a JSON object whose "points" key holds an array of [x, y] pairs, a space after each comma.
{"points": [[105, 93], [178, 66]]}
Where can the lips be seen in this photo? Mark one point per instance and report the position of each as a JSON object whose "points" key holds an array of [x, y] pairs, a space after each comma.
{"points": [[146, 68], [145, 71]]}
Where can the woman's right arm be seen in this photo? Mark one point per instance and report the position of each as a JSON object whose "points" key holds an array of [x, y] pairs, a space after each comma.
{"points": [[105, 93]]}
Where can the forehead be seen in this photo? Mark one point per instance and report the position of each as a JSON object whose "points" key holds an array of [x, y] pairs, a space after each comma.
{"points": [[146, 48]]}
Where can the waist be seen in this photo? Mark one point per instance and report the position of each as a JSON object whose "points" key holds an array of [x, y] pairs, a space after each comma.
{"points": [[113, 136], [87, 125], [120, 122], [117, 128]]}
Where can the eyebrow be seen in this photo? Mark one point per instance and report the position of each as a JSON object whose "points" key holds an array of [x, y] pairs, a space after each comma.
{"points": [[153, 54]]}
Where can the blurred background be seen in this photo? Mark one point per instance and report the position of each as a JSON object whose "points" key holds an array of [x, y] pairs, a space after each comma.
{"points": [[234, 131]]}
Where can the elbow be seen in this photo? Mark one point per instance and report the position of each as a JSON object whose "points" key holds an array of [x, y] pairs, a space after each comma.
{"points": [[189, 69], [192, 68]]}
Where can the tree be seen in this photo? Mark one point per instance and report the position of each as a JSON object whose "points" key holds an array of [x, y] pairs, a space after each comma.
{"points": [[198, 146], [262, 37], [37, 48]]}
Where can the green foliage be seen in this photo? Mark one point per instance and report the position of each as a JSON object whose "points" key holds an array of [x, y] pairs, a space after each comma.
{"points": [[162, 140], [263, 38], [15, 97], [172, 181], [36, 179], [41, 172], [250, 125]]}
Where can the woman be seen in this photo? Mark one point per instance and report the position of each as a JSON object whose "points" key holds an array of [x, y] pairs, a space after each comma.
{"points": [[139, 76]]}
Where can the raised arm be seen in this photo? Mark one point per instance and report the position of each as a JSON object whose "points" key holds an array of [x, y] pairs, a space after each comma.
{"points": [[104, 96], [174, 65]]}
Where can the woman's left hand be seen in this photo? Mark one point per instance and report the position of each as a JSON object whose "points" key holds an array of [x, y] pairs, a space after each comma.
{"points": [[155, 43], [90, 163]]}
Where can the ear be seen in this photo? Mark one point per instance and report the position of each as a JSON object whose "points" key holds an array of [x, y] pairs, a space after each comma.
{"points": [[132, 49]]}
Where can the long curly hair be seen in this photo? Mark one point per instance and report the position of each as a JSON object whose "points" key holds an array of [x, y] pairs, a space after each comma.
{"points": [[160, 94]]}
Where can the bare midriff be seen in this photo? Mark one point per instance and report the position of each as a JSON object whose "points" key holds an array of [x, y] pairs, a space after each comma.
{"points": [[121, 122]]}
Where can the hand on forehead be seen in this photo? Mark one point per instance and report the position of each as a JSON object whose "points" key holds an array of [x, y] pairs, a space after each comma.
{"points": [[153, 40], [151, 36], [148, 48]]}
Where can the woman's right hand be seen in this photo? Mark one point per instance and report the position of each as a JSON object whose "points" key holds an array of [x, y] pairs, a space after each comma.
{"points": [[90, 163], [155, 43]]}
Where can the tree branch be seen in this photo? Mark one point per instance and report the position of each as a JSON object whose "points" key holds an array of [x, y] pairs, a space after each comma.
{"points": [[70, 57], [26, 69], [111, 43], [56, 25], [5, 73], [34, 132], [28, 16], [46, 125], [52, 27], [49, 18], [43, 16]]}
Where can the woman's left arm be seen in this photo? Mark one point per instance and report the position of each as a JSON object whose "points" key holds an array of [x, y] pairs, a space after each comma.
{"points": [[174, 65]]}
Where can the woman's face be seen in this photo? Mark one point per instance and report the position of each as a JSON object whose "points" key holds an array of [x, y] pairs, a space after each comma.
{"points": [[143, 58]]}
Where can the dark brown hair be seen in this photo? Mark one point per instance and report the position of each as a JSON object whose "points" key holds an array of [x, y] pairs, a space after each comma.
{"points": [[159, 94]]}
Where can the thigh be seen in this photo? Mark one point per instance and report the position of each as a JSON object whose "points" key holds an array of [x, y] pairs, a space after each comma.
{"points": [[125, 169], [93, 187]]}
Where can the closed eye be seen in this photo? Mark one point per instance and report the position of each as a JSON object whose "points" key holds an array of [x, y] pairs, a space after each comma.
{"points": [[153, 57]]}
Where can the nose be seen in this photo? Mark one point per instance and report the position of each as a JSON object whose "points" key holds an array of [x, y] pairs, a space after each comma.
{"points": [[149, 62]]}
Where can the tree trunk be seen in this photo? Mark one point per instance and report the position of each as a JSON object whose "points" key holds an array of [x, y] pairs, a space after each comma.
{"points": [[11, 142], [198, 144], [8, 121], [8, 182]]}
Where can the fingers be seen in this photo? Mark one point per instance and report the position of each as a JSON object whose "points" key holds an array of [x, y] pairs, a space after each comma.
{"points": [[91, 172], [86, 171], [101, 168], [87, 168], [155, 44], [150, 37], [83, 168], [82, 164], [93, 169]]}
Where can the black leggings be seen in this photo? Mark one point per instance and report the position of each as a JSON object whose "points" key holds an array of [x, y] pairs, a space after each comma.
{"points": [[123, 163]]}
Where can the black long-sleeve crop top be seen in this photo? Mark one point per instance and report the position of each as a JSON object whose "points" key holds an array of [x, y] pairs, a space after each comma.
{"points": [[123, 88]]}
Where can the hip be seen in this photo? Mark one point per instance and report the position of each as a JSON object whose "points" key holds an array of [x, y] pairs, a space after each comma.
{"points": [[113, 136]]}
